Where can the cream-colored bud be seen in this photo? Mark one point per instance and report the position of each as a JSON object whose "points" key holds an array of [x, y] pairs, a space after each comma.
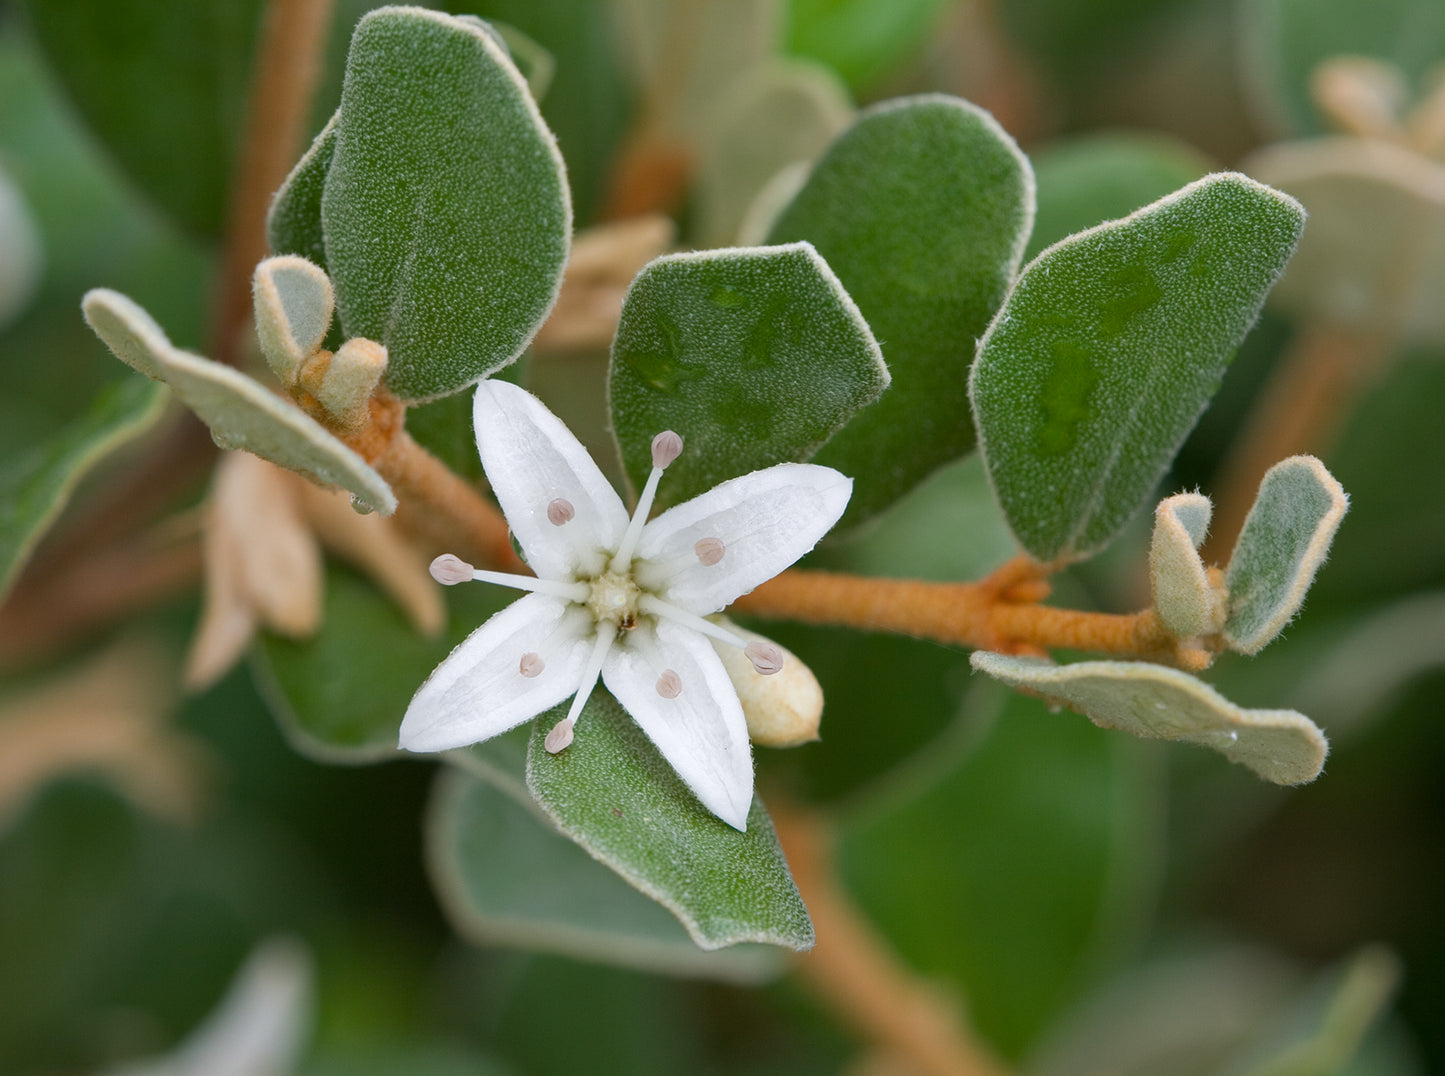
{"points": [[350, 379], [783, 709]]}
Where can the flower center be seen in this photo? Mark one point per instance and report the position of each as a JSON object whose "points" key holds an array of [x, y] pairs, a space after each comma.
{"points": [[614, 596]]}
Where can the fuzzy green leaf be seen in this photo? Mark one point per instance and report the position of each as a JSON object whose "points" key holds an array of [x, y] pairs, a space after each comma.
{"points": [[922, 208], [1161, 703], [1284, 541], [755, 356], [1178, 581], [506, 877], [612, 793], [293, 223], [240, 413], [339, 695], [1109, 348], [446, 214], [35, 486], [293, 303]]}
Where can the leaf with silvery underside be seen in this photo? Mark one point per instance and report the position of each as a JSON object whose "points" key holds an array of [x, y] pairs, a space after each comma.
{"points": [[1108, 349], [293, 223], [1178, 581], [339, 695], [1162, 703], [445, 210], [240, 413], [505, 876], [922, 208], [293, 303], [1285, 539], [615, 795], [36, 485], [1373, 256], [754, 355]]}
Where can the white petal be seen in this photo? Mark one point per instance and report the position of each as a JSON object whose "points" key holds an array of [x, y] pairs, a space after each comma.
{"points": [[765, 520], [479, 691], [701, 732], [531, 460]]}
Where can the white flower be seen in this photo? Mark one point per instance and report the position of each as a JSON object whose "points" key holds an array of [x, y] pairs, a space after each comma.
{"points": [[621, 598]]}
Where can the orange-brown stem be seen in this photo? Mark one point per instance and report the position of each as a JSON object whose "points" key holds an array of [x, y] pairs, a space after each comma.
{"points": [[982, 615], [855, 971], [283, 79], [1301, 409]]}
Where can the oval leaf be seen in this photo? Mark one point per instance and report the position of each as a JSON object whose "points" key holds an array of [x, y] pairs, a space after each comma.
{"points": [[1109, 348], [1165, 704], [756, 356], [613, 794], [922, 208], [36, 485], [505, 876], [1284, 541], [1178, 581], [446, 212], [293, 223], [240, 413]]}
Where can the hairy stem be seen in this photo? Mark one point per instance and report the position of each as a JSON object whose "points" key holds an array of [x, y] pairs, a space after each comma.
{"points": [[283, 80], [855, 971]]}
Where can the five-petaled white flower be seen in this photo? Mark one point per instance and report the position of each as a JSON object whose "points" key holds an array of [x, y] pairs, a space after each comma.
{"points": [[619, 597]]}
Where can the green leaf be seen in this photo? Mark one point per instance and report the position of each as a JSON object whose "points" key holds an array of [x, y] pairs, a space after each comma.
{"points": [[240, 413], [612, 793], [1283, 41], [1183, 595], [446, 213], [780, 114], [339, 696], [293, 223], [1109, 348], [1027, 855], [1283, 543], [36, 485], [1373, 256], [293, 303], [1099, 177], [1165, 704], [922, 208], [505, 876], [164, 85], [755, 356]]}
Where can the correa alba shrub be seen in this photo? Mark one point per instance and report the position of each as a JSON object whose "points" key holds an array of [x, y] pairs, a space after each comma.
{"points": [[891, 340]]}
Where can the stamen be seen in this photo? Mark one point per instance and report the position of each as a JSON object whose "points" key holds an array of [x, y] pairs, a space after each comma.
{"points": [[531, 665], [560, 738], [605, 634], [709, 551], [572, 592], [657, 607], [666, 447], [767, 658], [449, 570], [669, 684], [560, 511]]}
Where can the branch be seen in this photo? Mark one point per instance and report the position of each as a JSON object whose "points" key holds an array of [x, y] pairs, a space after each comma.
{"points": [[855, 971]]}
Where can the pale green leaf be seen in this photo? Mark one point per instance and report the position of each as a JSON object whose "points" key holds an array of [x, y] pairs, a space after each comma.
{"points": [[754, 355], [505, 876], [612, 793], [445, 211], [293, 223], [1373, 256], [240, 413], [783, 113], [1166, 704], [922, 208], [1285, 539], [293, 301], [1109, 348], [36, 485], [1178, 581]]}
